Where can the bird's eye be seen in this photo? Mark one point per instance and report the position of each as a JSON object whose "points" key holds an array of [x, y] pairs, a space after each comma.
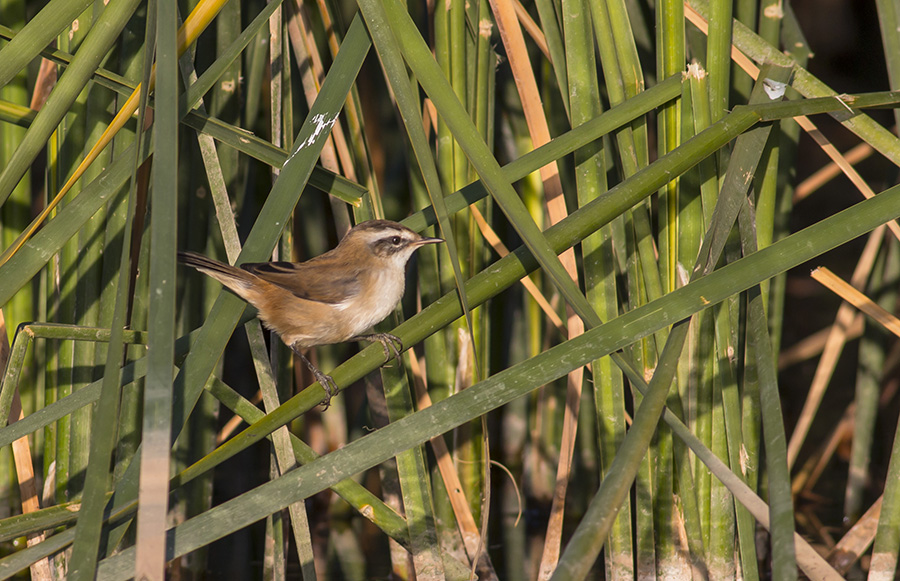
{"points": [[395, 240]]}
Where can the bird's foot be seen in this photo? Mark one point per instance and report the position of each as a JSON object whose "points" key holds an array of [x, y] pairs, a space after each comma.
{"points": [[391, 344], [326, 381], [330, 387]]}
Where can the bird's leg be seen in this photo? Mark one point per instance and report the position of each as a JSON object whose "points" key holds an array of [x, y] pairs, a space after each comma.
{"points": [[391, 343], [326, 381]]}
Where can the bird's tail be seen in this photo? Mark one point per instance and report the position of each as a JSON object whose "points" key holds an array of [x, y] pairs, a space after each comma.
{"points": [[236, 279]]}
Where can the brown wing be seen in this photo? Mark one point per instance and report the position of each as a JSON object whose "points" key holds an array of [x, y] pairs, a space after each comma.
{"points": [[306, 280]]}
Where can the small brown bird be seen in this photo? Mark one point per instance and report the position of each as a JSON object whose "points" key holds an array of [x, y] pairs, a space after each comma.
{"points": [[331, 298]]}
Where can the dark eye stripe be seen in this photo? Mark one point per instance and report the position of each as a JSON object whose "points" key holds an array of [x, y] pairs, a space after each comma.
{"points": [[389, 245]]}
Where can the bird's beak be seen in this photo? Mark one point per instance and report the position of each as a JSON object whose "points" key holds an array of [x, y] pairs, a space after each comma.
{"points": [[424, 241]]}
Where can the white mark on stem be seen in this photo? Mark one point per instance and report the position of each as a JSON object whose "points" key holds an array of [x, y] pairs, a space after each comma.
{"points": [[322, 123], [774, 89]]}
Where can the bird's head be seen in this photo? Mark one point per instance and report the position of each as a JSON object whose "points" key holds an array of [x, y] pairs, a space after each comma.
{"points": [[384, 241]]}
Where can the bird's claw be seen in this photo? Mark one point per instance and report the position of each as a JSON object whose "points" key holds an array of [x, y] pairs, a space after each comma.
{"points": [[330, 387], [326, 381], [391, 344]]}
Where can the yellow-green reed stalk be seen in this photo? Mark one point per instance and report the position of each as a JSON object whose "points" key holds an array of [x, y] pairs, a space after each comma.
{"points": [[461, 49], [718, 56], [745, 11], [600, 265], [14, 217], [670, 57], [63, 297], [696, 368]]}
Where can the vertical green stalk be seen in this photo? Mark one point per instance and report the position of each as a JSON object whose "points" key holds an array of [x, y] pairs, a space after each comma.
{"points": [[745, 11], [869, 376], [281, 356], [749, 152], [117, 240], [470, 53], [767, 196], [720, 548], [157, 422], [887, 537], [483, 95], [670, 60], [449, 269], [769, 20], [634, 241], [440, 347], [282, 460], [226, 95], [71, 139], [588, 538], [513, 446], [795, 44], [646, 480], [724, 382], [629, 62], [718, 56], [98, 104], [781, 509], [131, 405], [137, 247], [457, 74], [889, 21], [696, 370], [624, 79], [103, 431], [195, 299], [415, 481], [727, 385], [553, 35], [14, 217], [51, 368], [768, 184], [255, 70], [599, 265]]}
